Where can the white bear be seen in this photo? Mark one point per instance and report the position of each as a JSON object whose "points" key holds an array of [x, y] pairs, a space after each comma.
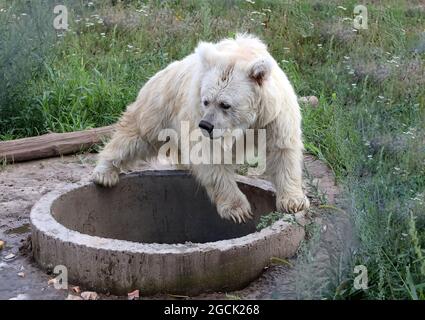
{"points": [[232, 84]]}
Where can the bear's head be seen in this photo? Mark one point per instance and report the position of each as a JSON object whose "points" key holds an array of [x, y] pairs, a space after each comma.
{"points": [[233, 75]]}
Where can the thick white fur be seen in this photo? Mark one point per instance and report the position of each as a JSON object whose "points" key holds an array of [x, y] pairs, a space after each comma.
{"points": [[241, 72]]}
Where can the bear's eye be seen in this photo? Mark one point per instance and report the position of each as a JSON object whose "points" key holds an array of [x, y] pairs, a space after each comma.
{"points": [[206, 102], [224, 105]]}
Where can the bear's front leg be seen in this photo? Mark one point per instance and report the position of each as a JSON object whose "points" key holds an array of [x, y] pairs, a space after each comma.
{"points": [[124, 147], [220, 184], [286, 170]]}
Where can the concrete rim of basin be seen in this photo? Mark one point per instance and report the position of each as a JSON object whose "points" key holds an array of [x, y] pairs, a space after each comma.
{"points": [[120, 266]]}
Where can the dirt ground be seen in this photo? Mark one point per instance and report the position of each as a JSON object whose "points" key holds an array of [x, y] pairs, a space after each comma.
{"points": [[22, 184]]}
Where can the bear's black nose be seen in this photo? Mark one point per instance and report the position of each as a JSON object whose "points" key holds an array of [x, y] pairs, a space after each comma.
{"points": [[206, 126]]}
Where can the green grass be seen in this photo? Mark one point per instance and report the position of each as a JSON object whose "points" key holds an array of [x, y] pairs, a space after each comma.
{"points": [[369, 126]]}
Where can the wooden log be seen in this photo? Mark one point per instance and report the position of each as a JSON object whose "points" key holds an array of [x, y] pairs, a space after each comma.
{"points": [[52, 144]]}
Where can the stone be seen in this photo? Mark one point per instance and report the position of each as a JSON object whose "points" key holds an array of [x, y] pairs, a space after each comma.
{"points": [[89, 295], [311, 100]]}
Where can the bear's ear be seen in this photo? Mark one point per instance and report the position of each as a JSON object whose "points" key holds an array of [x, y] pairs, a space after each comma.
{"points": [[260, 70], [207, 53]]}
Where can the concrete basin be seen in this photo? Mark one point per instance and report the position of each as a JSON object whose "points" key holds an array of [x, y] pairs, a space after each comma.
{"points": [[157, 232]]}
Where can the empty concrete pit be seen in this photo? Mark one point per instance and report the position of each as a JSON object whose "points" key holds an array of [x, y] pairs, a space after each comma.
{"points": [[157, 232]]}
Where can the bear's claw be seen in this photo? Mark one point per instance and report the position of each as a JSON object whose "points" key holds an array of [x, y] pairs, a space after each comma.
{"points": [[105, 177], [237, 211], [292, 204]]}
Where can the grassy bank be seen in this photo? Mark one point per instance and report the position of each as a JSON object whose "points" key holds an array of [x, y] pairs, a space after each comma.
{"points": [[369, 126]]}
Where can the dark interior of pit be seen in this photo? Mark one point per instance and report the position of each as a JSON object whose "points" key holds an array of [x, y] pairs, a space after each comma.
{"points": [[155, 207]]}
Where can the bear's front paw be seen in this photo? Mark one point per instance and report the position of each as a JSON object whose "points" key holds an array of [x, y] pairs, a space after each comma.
{"points": [[107, 177], [292, 204], [238, 210]]}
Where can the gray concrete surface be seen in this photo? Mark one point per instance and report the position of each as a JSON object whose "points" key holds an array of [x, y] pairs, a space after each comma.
{"points": [[157, 231]]}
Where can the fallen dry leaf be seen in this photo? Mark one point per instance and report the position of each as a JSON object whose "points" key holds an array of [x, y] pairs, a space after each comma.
{"points": [[1, 244], [134, 295], [76, 289], [21, 274], [72, 297], [277, 260], [10, 256], [21, 296], [52, 281], [89, 295]]}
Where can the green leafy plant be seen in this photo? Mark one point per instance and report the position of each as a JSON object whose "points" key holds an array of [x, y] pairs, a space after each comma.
{"points": [[268, 219]]}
